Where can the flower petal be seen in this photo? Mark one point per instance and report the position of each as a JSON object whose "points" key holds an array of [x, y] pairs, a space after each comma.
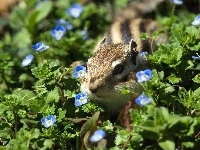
{"points": [[67, 24], [98, 135], [39, 47], [79, 71], [177, 2], [143, 100], [27, 60], [196, 57], [48, 121], [75, 10], [80, 99], [144, 75], [58, 32], [196, 21]]}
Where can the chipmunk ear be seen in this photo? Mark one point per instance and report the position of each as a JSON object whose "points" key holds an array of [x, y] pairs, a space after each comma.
{"points": [[133, 45], [103, 41]]}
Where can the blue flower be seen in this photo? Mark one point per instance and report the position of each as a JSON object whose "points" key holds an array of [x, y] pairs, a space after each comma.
{"points": [[39, 47], [79, 71], [67, 24], [144, 75], [177, 2], [75, 10], [196, 21], [143, 100], [58, 32], [27, 60], [98, 135], [80, 99], [196, 57], [143, 54], [48, 121], [84, 33]]}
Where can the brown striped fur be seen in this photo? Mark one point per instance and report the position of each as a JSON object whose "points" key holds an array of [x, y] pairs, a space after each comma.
{"points": [[124, 30]]}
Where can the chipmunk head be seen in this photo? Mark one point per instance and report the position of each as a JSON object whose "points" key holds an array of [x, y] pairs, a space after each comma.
{"points": [[111, 69]]}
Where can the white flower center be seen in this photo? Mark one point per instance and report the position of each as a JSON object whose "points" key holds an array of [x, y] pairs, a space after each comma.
{"points": [[75, 12], [50, 122], [59, 34], [143, 101], [81, 73], [83, 100], [144, 77]]}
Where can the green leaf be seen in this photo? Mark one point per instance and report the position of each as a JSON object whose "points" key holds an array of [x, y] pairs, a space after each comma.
{"points": [[115, 148], [48, 144], [167, 144], [136, 141], [173, 79], [42, 72], [177, 33], [69, 94], [197, 106], [193, 32], [47, 71], [161, 116], [3, 108], [188, 144], [24, 36], [149, 130], [169, 89], [35, 133], [40, 13], [18, 17], [61, 114], [144, 36], [196, 93], [148, 125], [196, 47], [160, 74], [196, 78], [122, 137], [181, 125], [88, 127], [31, 21], [90, 124], [23, 77], [190, 64], [43, 12], [53, 95], [37, 15], [169, 54], [198, 67]]}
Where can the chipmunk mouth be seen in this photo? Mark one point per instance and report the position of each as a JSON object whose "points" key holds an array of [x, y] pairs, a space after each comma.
{"points": [[92, 95]]}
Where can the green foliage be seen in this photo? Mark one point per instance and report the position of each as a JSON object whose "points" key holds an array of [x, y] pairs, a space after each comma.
{"points": [[165, 128], [47, 87]]}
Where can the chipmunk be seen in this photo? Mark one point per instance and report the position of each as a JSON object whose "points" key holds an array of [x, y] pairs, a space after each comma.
{"points": [[116, 59]]}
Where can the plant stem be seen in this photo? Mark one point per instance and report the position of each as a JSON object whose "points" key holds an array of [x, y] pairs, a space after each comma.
{"points": [[15, 122]]}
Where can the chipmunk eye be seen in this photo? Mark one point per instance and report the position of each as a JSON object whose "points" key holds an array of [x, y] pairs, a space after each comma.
{"points": [[118, 69]]}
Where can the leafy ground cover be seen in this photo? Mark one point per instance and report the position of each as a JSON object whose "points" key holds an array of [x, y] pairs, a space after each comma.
{"points": [[39, 46]]}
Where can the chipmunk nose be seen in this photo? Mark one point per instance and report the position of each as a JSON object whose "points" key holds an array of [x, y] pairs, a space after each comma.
{"points": [[93, 85]]}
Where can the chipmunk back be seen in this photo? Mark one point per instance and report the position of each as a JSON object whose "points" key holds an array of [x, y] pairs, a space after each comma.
{"points": [[116, 59]]}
